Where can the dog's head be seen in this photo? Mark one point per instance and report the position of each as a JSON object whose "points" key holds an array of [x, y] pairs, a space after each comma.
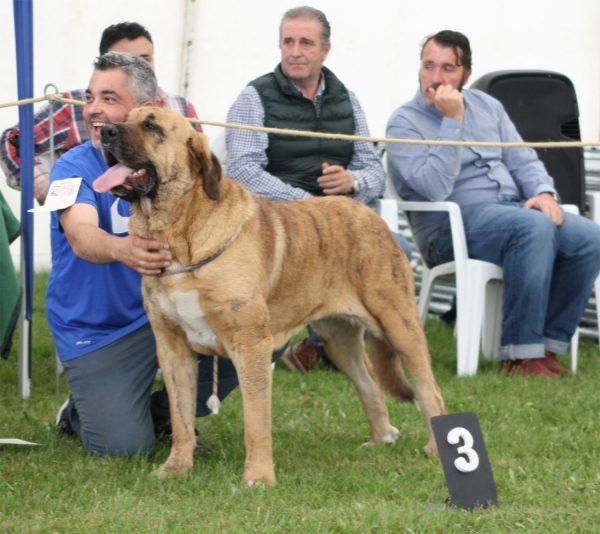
{"points": [[151, 148]]}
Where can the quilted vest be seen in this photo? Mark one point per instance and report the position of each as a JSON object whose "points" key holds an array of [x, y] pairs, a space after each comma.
{"points": [[297, 160]]}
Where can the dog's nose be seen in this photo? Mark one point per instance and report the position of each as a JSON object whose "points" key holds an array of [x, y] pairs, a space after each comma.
{"points": [[108, 133]]}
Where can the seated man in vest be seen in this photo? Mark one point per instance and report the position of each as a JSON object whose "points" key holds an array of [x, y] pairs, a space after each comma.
{"points": [[301, 94], [69, 125], [508, 204]]}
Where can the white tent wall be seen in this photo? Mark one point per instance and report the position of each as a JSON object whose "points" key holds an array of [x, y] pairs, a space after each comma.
{"points": [[376, 45], [210, 49]]}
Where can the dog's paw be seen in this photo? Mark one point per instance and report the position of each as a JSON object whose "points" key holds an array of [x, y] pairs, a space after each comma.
{"points": [[160, 474], [171, 471], [259, 481], [392, 436], [431, 450], [387, 439]]}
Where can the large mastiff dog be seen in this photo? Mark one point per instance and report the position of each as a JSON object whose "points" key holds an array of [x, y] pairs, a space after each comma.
{"points": [[274, 267]]}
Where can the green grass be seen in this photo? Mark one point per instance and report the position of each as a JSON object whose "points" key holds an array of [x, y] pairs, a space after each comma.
{"points": [[542, 440]]}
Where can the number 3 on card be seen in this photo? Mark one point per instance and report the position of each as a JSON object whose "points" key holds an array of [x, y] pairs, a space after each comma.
{"points": [[454, 437]]}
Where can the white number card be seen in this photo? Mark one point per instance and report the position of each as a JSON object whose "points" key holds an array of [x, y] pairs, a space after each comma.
{"points": [[465, 461], [61, 195]]}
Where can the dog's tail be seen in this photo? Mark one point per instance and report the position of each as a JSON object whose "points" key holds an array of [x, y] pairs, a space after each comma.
{"points": [[389, 370]]}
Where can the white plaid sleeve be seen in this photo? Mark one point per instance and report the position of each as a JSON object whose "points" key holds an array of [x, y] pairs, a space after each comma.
{"points": [[365, 165], [246, 156]]}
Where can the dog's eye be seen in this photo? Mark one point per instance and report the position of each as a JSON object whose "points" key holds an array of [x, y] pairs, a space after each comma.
{"points": [[151, 127]]}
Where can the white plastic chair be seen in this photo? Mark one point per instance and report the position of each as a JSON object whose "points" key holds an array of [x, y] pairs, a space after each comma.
{"points": [[593, 199], [478, 290], [219, 148]]}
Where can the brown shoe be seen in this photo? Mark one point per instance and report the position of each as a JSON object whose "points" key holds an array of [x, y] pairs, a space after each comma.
{"points": [[534, 367], [552, 364], [303, 356]]}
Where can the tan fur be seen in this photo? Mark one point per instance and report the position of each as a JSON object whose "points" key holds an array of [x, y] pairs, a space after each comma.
{"points": [[328, 261]]}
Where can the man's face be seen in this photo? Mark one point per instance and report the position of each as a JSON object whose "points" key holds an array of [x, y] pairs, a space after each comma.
{"points": [[439, 66], [302, 53], [108, 100], [140, 47]]}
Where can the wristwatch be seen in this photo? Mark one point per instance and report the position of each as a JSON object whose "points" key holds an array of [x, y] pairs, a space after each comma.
{"points": [[356, 187]]}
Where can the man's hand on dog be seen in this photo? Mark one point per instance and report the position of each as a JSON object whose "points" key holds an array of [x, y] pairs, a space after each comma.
{"points": [[146, 256], [336, 180]]}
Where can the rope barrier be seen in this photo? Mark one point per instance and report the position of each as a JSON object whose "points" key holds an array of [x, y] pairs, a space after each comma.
{"points": [[302, 133], [343, 137], [23, 102]]}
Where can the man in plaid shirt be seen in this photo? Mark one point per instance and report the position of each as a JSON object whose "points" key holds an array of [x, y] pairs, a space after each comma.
{"points": [[69, 126]]}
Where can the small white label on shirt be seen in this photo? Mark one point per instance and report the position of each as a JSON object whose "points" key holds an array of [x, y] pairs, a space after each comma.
{"points": [[61, 195]]}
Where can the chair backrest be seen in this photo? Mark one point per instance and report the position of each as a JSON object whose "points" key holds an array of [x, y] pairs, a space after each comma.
{"points": [[543, 107], [390, 190], [217, 145]]}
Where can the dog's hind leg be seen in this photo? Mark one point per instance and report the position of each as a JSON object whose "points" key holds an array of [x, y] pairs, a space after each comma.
{"points": [[404, 337], [179, 365], [344, 344]]}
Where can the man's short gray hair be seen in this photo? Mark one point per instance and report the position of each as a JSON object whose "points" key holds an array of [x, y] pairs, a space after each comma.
{"points": [[142, 80], [307, 12]]}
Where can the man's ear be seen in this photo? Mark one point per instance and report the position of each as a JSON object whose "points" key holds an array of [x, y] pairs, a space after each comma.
{"points": [[466, 77], [147, 104], [205, 165]]}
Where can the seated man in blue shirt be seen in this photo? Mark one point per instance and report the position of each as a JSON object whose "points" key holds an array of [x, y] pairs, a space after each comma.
{"points": [[94, 300], [302, 94], [508, 203]]}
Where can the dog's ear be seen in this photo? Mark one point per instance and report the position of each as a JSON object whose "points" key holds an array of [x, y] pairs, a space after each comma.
{"points": [[205, 165], [212, 178]]}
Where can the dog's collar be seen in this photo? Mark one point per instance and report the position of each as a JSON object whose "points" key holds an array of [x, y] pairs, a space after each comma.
{"points": [[201, 263]]}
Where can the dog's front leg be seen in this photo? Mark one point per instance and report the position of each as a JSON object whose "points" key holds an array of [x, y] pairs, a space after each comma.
{"points": [[252, 359], [179, 366]]}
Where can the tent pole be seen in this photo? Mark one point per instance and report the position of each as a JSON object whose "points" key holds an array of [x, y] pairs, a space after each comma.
{"points": [[23, 18]]}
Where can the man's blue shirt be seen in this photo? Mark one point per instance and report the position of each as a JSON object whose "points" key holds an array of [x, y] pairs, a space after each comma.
{"points": [[465, 175], [89, 306]]}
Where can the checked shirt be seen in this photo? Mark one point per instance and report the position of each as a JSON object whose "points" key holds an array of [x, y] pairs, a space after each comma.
{"points": [[69, 132]]}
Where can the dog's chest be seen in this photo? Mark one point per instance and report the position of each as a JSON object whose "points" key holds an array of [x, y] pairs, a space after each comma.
{"points": [[184, 309]]}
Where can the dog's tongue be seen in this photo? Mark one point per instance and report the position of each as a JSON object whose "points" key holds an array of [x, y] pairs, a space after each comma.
{"points": [[111, 178]]}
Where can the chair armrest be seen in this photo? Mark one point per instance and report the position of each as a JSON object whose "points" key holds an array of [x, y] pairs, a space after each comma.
{"points": [[459, 242], [570, 208], [593, 199], [387, 209]]}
